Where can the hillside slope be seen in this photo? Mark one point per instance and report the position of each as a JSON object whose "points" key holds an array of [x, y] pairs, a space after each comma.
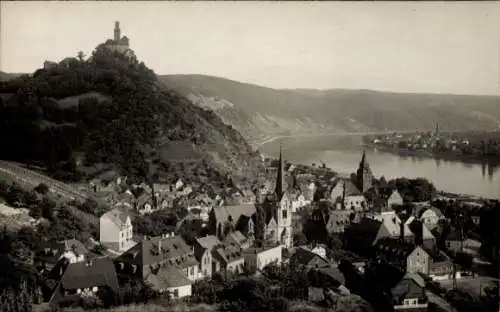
{"points": [[258, 111], [111, 111]]}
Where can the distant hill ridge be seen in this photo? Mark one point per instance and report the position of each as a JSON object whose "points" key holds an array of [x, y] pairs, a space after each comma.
{"points": [[257, 111]]}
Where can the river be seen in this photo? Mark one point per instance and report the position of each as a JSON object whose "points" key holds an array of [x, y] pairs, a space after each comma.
{"points": [[343, 153]]}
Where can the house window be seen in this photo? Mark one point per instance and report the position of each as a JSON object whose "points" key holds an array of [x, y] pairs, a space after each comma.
{"points": [[285, 213], [191, 271]]}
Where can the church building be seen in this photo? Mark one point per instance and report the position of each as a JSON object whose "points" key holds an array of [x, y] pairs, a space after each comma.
{"points": [[279, 210]]}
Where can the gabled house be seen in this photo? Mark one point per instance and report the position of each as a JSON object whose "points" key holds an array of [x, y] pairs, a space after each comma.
{"points": [[170, 279], [203, 251], [432, 262], [145, 204], [239, 239], [151, 254], [394, 251], [423, 236], [73, 280], [345, 195], [228, 258], [455, 240], [361, 237], [126, 199], [395, 226], [409, 294], [256, 258], [431, 216], [395, 199], [238, 217], [306, 258], [115, 230], [50, 253]]}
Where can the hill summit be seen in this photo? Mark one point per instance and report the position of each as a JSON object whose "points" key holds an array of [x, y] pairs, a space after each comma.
{"points": [[80, 115]]}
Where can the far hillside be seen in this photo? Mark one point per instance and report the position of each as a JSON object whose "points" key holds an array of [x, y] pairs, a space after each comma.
{"points": [[257, 111]]}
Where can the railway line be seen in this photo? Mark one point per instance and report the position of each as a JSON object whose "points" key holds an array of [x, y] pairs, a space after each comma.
{"points": [[31, 179]]}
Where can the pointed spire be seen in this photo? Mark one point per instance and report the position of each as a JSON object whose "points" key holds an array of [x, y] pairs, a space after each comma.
{"points": [[280, 181], [363, 162]]}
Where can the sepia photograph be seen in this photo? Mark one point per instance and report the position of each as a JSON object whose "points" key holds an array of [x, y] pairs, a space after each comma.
{"points": [[203, 156]]}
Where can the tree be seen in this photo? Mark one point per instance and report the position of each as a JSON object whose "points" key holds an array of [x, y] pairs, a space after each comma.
{"points": [[81, 56], [299, 239], [42, 188], [47, 207]]}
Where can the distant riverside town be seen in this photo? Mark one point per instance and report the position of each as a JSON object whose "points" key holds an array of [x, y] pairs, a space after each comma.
{"points": [[300, 237]]}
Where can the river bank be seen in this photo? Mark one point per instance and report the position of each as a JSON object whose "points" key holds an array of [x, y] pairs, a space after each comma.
{"points": [[466, 158]]}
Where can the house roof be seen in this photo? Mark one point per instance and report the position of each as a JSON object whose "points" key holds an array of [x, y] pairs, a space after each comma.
{"points": [[348, 186], [421, 211], [394, 248], [97, 272], [417, 278], [333, 272], [60, 247], [227, 253], [118, 216], [419, 229], [208, 242], [392, 223], [222, 213], [436, 255], [154, 250], [306, 257], [236, 237], [167, 277], [367, 228]]}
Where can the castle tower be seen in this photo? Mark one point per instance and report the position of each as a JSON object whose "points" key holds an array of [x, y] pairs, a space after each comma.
{"points": [[117, 31], [364, 175]]}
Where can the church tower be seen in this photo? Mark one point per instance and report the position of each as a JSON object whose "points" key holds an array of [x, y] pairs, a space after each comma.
{"points": [[364, 175], [283, 207], [117, 31]]}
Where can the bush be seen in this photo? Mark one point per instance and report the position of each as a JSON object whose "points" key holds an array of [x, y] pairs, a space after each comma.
{"points": [[42, 188]]}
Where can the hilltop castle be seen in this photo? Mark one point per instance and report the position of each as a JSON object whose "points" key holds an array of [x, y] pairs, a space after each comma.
{"points": [[118, 43]]}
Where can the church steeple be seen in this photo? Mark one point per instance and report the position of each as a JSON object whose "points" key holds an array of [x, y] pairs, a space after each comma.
{"points": [[364, 174], [280, 181], [364, 162], [117, 31]]}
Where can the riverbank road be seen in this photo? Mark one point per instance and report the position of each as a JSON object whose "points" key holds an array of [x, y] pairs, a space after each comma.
{"points": [[474, 285]]}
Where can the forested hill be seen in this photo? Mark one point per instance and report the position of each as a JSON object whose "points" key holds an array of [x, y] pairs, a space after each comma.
{"points": [[80, 115]]}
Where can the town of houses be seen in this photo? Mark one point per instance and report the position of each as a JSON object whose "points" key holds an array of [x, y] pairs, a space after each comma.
{"points": [[372, 229]]}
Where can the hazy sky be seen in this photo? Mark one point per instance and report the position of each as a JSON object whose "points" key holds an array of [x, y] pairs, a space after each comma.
{"points": [[449, 47]]}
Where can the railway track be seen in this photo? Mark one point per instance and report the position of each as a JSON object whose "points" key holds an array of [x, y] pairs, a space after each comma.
{"points": [[31, 178]]}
